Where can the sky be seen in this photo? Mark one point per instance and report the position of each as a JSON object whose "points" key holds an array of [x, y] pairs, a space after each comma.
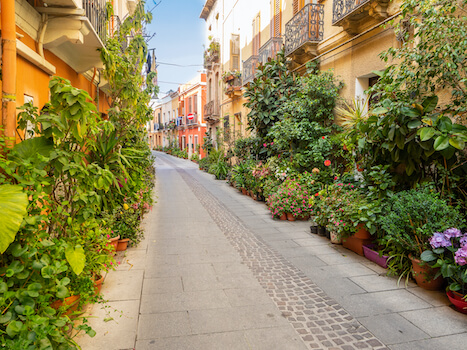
{"points": [[178, 40]]}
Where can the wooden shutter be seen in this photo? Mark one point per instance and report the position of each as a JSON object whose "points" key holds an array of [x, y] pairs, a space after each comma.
{"points": [[256, 34], [277, 18], [195, 104], [297, 6], [235, 52]]}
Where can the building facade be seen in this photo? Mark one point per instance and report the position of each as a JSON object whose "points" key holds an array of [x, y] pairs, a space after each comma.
{"points": [[191, 122], [60, 39], [345, 36]]}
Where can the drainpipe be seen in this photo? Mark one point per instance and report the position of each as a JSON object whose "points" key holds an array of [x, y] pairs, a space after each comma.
{"points": [[9, 71]]}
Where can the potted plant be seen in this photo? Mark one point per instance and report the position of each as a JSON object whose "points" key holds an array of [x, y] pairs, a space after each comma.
{"points": [[448, 253], [407, 226]]}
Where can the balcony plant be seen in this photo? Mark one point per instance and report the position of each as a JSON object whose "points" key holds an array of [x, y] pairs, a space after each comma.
{"points": [[448, 253], [231, 75]]}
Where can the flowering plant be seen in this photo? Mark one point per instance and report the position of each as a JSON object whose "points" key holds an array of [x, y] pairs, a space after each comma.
{"points": [[290, 197], [449, 253]]}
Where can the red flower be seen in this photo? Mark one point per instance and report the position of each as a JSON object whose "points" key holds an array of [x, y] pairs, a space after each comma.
{"points": [[327, 162], [323, 137]]}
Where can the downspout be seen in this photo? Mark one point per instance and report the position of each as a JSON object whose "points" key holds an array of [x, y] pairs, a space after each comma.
{"points": [[9, 71]]}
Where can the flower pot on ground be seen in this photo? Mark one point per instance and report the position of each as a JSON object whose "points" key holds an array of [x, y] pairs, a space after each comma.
{"points": [[71, 303], [425, 275], [314, 229], [335, 237], [244, 191], [321, 231], [283, 216], [114, 242], [458, 300], [370, 252], [290, 217], [122, 244], [356, 242], [98, 281]]}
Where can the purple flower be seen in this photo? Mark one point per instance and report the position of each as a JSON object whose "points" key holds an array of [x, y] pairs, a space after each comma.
{"points": [[452, 233], [461, 256], [439, 240], [463, 240]]}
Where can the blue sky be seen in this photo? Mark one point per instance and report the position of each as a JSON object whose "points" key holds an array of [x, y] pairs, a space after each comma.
{"points": [[178, 39]]}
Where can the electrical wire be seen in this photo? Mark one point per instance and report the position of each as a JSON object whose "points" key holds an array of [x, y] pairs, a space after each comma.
{"points": [[179, 65]]}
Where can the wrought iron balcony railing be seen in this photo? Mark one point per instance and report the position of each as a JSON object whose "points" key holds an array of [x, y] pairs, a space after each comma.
{"points": [[270, 49], [211, 110], [96, 12], [249, 69], [357, 9], [306, 27]]}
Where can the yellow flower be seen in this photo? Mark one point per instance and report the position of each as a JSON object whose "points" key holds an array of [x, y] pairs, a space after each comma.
{"points": [[125, 206]]}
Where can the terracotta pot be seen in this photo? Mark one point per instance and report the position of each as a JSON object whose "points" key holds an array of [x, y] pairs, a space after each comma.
{"points": [[355, 244], [290, 217], [424, 274], [362, 232], [244, 191], [98, 280], [122, 244], [114, 242], [283, 216], [335, 238], [71, 302], [458, 301]]}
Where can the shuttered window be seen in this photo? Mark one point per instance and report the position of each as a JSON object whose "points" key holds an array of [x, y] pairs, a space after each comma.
{"points": [[195, 104], [277, 18], [256, 34], [235, 52], [298, 5]]}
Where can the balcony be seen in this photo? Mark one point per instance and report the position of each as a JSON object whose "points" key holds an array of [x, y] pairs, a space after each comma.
{"points": [[249, 69], [270, 49], [211, 111], [211, 54], [233, 87], [75, 30], [349, 14], [303, 33]]}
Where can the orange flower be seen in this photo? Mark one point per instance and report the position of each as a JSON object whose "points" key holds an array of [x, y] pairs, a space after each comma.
{"points": [[327, 162]]}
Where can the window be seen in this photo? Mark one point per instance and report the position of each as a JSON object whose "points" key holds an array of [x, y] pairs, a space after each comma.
{"points": [[235, 52], [195, 104], [277, 19], [256, 34], [188, 105], [298, 5], [227, 128]]}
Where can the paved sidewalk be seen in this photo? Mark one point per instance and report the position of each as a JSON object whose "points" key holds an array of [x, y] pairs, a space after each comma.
{"points": [[216, 272]]}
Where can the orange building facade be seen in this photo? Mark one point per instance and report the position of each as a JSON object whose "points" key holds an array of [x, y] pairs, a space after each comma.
{"points": [[191, 123], [60, 39]]}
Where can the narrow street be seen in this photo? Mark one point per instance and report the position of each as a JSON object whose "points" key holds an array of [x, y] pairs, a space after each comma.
{"points": [[216, 272]]}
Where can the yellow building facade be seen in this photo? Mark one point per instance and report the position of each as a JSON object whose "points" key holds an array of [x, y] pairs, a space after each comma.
{"points": [[341, 35]]}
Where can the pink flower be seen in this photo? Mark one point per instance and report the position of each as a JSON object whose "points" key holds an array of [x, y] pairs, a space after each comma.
{"points": [[265, 144], [272, 143], [335, 177]]}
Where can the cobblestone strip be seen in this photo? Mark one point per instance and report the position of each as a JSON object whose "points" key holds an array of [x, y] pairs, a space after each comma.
{"points": [[320, 321]]}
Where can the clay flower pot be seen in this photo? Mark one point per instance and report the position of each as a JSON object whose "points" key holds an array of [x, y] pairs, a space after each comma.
{"points": [[114, 242], [122, 244], [424, 274], [244, 191], [458, 301], [98, 280], [283, 216], [71, 302], [356, 242], [290, 217]]}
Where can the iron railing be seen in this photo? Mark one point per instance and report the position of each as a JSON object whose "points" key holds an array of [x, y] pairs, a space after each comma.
{"points": [[306, 26], [270, 49], [249, 69], [343, 8], [96, 12]]}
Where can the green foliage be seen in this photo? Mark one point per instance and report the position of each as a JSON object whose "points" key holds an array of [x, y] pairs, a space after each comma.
{"points": [[432, 56], [13, 204], [272, 87]]}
